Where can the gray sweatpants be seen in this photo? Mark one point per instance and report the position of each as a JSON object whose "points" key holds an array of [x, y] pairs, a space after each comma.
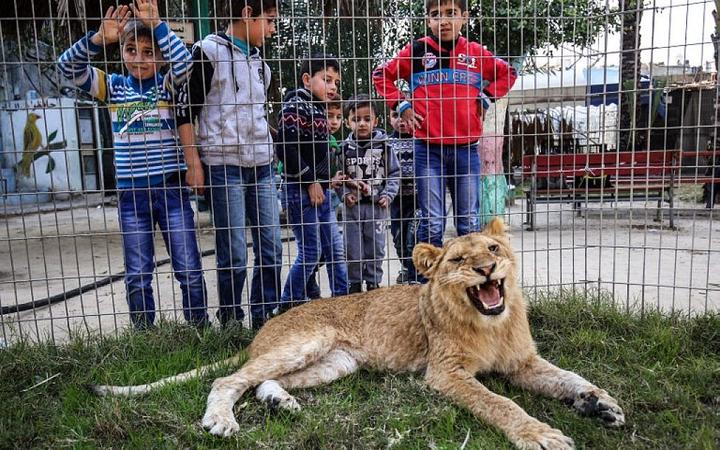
{"points": [[364, 234]]}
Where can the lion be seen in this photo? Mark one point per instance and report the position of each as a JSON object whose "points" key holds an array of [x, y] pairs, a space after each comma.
{"points": [[469, 319]]}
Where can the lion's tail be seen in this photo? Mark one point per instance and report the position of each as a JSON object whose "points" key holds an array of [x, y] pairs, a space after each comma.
{"points": [[142, 389]]}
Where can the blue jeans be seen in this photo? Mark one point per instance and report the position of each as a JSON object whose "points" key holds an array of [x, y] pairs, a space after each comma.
{"points": [[437, 167], [316, 233], [313, 288], [242, 198], [140, 210]]}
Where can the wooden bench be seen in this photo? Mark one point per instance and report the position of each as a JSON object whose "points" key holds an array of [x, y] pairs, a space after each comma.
{"points": [[601, 177]]}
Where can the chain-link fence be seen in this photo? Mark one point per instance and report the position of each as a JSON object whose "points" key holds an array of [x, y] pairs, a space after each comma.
{"points": [[217, 160]]}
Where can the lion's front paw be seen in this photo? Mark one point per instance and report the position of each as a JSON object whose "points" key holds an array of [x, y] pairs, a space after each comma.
{"points": [[540, 436], [600, 404], [220, 424]]}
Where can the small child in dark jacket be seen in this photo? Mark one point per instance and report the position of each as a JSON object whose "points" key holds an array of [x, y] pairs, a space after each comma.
{"points": [[302, 147], [372, 180], [334, 120]]}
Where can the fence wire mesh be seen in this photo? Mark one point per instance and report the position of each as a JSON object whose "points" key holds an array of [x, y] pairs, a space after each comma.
{"points": [[217, 160]]}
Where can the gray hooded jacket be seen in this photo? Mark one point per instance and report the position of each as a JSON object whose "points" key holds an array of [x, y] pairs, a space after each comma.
{"points": [[373, 162], [227, 93]]}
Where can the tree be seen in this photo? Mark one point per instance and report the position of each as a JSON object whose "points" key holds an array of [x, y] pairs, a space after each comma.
{"points": [[631, 12], [366, 32], [347, 29], [715, 37], [513, 29]]}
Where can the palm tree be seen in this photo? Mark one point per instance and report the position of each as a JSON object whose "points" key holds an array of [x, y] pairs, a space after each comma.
{"points": [[715, 37], [629, 84]]}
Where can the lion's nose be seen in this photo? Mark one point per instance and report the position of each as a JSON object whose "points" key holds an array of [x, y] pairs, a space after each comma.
{"points": [[486, 270]]}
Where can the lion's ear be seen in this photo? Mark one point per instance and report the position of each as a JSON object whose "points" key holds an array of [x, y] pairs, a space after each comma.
{"points": [[496, 227], [424, 257]]}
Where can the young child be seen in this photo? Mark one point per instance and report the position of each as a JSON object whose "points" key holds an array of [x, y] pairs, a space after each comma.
{"points": [[226, 95], [453, 81], [334, 120], [373, 175], [303, 137], [493, 185], [148, 163], [402, 209]]}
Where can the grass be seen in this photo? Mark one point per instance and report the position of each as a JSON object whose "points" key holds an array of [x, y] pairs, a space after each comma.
{"points": [[665, 371]]}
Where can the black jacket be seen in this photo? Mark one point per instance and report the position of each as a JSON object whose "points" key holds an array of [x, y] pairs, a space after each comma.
{"points": [[303, 135]]}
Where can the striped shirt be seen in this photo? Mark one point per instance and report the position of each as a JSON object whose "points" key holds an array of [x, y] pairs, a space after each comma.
{"points": [[143, 120]]}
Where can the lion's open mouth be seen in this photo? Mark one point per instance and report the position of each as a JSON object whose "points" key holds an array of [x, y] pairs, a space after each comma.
{"points": [[489, 297]]}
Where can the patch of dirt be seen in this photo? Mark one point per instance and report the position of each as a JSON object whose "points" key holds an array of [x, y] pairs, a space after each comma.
{"points": [[658, 227]]}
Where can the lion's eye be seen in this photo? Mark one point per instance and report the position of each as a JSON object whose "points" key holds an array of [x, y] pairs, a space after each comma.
{"points": [[457, 260], [494, 248]]}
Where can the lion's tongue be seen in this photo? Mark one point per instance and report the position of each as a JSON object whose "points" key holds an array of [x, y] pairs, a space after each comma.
{"points": [[490, 295]]}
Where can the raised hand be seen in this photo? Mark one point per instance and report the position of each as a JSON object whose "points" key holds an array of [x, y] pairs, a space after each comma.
{"points": [[112, 25], [363, 187], [338, 180], [146, 11]]}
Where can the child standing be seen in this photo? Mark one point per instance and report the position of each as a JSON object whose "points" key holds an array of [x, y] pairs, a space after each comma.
{"points": [[373, 174], [226, 94], [303, 137], [493, 185], [402, 209], [148, 164], [452, 80], [334, 120]]}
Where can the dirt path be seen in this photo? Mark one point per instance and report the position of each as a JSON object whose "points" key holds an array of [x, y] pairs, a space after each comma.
{"points": [[622, 252]]}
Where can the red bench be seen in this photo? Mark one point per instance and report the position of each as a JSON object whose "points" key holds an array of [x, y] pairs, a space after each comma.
{"points": [[601, 177]]}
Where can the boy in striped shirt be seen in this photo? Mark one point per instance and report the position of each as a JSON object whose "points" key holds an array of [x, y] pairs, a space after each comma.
{"points": [[149, 166]]}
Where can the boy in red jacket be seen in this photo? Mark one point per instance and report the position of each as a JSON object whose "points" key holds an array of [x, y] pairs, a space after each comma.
{"points": [[452, 82]]}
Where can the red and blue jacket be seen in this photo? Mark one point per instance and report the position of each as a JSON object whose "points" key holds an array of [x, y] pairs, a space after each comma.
{"points": [[448, 85]]}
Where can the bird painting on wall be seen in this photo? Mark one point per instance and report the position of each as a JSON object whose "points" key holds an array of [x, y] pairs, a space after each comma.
{"points": [[33, 148]]}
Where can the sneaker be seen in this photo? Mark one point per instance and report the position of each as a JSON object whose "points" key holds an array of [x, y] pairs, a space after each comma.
{"points": [[257, 322], [227, 318], [371, 286], [200, 324], [402, 277], [355, 288], [285, 306], [141, 322]]}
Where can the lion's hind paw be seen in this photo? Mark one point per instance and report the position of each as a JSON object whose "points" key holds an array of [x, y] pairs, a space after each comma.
{"points": [[276, 397], [287, 403]]}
